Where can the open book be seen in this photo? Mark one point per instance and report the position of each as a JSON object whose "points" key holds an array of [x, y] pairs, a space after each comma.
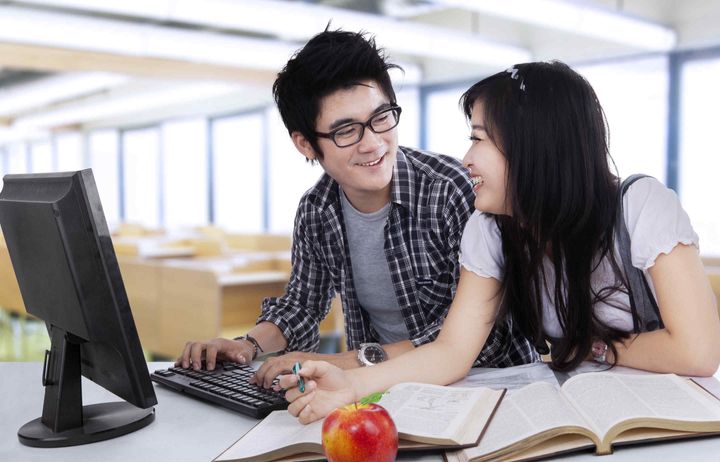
{"points": [[425, 416], [594, 410]]}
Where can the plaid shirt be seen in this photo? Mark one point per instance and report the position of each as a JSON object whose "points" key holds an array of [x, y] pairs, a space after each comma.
{"points": [[431, 199]]}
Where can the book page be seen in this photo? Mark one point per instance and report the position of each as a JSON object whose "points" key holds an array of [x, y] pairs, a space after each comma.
{"points": [[594, 366], [607, 398], [710, 384], [529, 411], [510, 378], [432, 410], [278, 430]]}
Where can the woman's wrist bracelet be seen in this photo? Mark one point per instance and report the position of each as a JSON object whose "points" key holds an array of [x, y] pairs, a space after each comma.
{"points": [[599, 351]]}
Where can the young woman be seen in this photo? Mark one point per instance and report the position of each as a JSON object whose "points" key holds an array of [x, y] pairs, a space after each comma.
{"points": [[545, 248]]}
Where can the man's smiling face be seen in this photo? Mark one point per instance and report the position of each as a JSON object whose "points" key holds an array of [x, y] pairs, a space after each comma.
{"points": [[364, 170]]}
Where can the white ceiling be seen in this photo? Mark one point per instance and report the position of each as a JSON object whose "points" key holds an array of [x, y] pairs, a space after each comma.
{"points": [[135, 61]]}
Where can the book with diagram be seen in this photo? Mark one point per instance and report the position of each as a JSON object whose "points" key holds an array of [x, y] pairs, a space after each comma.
{"points": [[426, 416]]}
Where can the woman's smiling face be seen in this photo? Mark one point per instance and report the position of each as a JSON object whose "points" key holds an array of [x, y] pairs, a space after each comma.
{"points": [[487, 166]]}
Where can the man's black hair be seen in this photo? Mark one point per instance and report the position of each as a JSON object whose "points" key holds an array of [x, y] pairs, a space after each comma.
{"points": [[330, 61]]}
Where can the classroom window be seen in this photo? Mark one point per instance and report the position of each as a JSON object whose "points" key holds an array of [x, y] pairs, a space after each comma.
{"points": [[634, 96], [446, 126], [70, 152], [41, 157], [409, 128], [238, 172], [185, 173], [699, 152], [289, 175], [17, 158], [141, 177], [103, 158]]}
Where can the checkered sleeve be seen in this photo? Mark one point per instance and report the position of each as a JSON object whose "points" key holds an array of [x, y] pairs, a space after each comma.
{"points": [[309, 291]]}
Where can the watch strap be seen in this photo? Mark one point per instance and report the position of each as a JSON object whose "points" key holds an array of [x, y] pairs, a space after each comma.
{"points": [[361, 358]]}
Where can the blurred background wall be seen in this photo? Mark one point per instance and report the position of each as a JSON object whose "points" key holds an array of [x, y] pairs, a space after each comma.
{"points": [[169, 101]]}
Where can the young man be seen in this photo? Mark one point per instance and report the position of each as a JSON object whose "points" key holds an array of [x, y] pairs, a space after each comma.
{"points": [[382, 227]]}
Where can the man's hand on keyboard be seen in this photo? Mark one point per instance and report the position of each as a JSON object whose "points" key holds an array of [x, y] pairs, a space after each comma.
{"points": [[274, 366], [211, 351]]}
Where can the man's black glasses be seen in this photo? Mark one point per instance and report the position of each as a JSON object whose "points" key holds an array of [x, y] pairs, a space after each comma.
{"points": [[349, 134]]}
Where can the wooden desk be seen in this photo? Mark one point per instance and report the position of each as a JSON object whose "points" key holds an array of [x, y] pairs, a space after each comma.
{"points": [[240, 291], [175, 301], [10, 298], [199, 303], [182, 290], [152, 247]]}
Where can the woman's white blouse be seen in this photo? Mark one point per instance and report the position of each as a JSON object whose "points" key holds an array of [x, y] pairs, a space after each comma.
{"points": [[656, 223]]}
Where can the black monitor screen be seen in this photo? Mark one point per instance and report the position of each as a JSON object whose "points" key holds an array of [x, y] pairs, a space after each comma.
{"points": [[64, 261]]}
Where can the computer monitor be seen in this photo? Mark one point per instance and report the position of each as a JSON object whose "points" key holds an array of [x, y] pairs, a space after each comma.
{"points": [[62, 253]]}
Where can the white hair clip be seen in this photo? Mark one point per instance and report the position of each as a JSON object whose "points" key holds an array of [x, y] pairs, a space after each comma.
{"points": [[514, 74]]}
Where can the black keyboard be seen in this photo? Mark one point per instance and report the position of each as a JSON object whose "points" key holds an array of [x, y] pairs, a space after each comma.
{"points": [[227, 386]]}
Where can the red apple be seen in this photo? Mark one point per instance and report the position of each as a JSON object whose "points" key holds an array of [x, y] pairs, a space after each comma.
{"points": [[359, 432]]}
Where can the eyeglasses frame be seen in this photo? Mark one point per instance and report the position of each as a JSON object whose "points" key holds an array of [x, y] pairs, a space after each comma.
{"points": [[367, 124]]}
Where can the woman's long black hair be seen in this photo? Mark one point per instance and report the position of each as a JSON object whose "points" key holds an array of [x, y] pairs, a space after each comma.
{"points": [[547, 121]]}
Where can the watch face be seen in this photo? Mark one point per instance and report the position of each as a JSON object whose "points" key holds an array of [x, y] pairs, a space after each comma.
{"points": [[374, 353]]}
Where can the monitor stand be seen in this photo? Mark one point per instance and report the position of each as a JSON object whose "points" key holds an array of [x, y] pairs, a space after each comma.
{"points": [[65, 421]]}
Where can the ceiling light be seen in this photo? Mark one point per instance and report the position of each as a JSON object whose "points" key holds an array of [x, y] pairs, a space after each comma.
{"points": [[62, 30], [298, 21], [113, 105], [13, 135], [577, 19], [19, 98]]}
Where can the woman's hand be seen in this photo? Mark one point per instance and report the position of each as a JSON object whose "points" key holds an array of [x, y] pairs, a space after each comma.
{"points": [[327, 387]]}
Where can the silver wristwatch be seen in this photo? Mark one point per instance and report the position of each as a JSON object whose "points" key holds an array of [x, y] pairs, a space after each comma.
{"points": [[370, 354]]}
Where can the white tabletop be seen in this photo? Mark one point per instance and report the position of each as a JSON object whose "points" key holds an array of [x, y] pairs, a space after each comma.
{"points": [[186, 429]]}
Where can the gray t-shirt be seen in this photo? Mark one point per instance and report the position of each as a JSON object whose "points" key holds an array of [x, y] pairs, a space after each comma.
{"points": [[371, 273]]}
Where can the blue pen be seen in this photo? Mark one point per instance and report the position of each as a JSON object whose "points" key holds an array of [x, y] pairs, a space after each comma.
{"points": [[301, 383]]}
